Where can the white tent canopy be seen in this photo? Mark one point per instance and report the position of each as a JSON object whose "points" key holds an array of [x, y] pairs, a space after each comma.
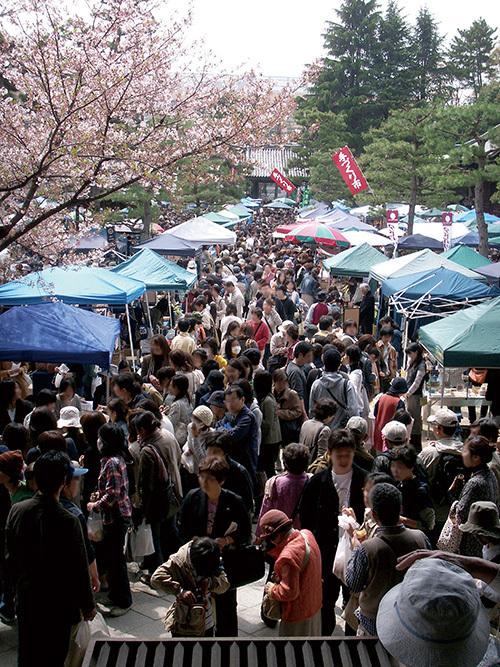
{"points": [[203, 231], [356, 237], [435, 230], [424, 260]]}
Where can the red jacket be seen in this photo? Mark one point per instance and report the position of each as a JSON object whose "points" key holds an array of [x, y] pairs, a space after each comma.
{"points": [[300, 595], [261, 334], [386, 407]]}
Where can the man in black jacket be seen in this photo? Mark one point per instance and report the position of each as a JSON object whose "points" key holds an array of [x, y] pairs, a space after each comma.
{"points": [[47, 563], [324, 496], [284, 305], [366, 310]]}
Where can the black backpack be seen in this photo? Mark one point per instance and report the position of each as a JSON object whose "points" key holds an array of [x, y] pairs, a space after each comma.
{"points": [[449, 466]]}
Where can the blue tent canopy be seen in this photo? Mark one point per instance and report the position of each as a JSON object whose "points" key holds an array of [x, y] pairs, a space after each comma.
{"points": [[82, 285], [439, 283], [168, 244], [350, 222], [419, 242], [469, 217], [93, 241], [315, 212], [156, 272], [55, 332], [472, 240]]}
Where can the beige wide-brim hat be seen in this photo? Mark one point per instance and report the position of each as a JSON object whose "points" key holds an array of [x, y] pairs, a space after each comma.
{"points": [[434, 617], [69, 417]]}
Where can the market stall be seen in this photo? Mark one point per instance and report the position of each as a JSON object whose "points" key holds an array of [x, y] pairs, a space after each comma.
{"points": [[424, 260], [82, 285], [356, 261], [468, 338], [465, 256]]}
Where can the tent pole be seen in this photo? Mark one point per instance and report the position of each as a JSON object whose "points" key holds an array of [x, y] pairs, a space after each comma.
{"points": [[442, 387], [148, 311], [170, 311], [130, 335], [107, 386], [407, 326]]}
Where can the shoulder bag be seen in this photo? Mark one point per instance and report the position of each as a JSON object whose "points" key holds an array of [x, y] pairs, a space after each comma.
{"points": [[169, 496], [271, 608]]}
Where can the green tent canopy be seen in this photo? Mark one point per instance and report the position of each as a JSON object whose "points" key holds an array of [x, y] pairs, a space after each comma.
{"points": [[468, 338], [156, 272], [356, 261], [465, 256], [432, 213], [215, 217]]}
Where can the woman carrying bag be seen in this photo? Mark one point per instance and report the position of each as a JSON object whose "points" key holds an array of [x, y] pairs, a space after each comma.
{"points": [[298, 575], [215, 512]]}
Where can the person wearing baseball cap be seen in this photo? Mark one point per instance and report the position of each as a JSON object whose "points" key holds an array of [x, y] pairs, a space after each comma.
{"points": [[385, 408], [441, 455], [217, 404], [358, 427], [394, 434]]}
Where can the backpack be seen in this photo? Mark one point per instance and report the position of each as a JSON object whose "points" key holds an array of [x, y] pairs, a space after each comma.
{"points": [[342, 406], [449, 466]]}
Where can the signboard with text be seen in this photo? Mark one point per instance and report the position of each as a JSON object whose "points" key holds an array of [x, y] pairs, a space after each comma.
{"points": [[349, 170], [447, 220], [283, 182], [392, 224], [306, 197]]}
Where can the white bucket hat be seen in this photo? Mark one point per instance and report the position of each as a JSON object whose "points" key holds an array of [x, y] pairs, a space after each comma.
{"points": [[69, 417], [434, 617]]}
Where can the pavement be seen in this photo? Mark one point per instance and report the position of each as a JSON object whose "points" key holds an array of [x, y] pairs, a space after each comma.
{"points": [[145, 619]]}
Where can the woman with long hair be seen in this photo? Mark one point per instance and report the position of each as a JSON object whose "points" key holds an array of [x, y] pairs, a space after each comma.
{"points": [[126, 387], [117, 411], [67, 395], [232, 348], [112, 501], [416, 372], [91, 459], [12, 407], [352, 360], [271, 432], [181, 408], [159, 357], [183, 364]]}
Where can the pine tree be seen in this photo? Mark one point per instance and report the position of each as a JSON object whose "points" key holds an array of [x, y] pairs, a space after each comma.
{"points": [[470, 53], [393, 61], [347, 82], [428, 66], [472, 130], [401, 160]]}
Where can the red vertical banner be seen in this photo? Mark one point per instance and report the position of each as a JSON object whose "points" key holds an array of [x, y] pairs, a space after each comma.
{"points": [[447, 220], [350, 171], [392, 224], [283, 182]]}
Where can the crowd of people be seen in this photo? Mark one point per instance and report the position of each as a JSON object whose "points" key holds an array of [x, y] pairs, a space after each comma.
{"points": [[266, 417]]}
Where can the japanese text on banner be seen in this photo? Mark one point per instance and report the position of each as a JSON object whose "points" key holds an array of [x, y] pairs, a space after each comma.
{"points": [[349, 170], [283, 182]]}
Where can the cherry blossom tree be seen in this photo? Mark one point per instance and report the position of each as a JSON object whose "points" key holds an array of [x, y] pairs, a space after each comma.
{"points": [[93, 104]]}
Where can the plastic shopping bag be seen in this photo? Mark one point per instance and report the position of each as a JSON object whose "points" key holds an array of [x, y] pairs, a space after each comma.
{"points": [[89, 629], [141, 541], [344, 548], [95, 527]]}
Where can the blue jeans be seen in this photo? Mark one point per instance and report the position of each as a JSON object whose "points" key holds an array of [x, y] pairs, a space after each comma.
{"points": [[111, 559]]}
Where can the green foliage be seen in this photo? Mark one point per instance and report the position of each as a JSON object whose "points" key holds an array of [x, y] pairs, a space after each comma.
{"points": [[321, 130], [347, 81], [470, 61], [429, 72], [401, 159]]}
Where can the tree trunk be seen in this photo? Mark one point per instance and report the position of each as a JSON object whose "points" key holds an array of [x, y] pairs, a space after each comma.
{"points": [[146, 233], [413, 201], [482, 228]]}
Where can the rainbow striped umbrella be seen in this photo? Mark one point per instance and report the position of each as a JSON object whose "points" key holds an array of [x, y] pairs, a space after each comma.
{"points": [[315, 232]]}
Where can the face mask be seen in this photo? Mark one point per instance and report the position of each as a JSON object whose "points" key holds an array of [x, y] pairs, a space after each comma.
{"points": [[236, 349]]}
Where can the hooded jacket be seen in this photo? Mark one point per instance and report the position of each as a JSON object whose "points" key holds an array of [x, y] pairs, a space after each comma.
{"points": [[340, 390]]}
